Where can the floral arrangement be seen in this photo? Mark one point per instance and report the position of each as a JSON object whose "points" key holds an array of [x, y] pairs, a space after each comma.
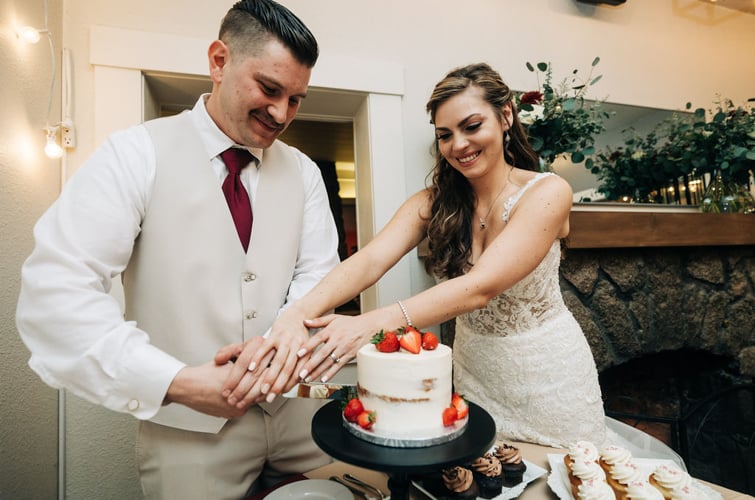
{"points": [[558, 119], [639, 168], [622, 170], [725, 143], [679, 152]]}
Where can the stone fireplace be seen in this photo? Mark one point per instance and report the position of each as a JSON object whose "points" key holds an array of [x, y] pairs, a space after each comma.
{"points": [[640, 301], [673, 334]]}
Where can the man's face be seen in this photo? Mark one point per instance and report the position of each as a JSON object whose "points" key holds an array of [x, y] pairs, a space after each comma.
{"points": [[254, 98]]}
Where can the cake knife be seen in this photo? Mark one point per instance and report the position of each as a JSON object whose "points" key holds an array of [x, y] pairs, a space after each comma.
{"points": [[321, 391]]}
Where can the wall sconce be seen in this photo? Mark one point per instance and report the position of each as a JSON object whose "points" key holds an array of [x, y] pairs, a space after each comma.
{"points": [[52, 148]]}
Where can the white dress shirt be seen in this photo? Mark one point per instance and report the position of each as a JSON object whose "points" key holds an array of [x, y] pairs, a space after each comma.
{"points": [[66, 316]]}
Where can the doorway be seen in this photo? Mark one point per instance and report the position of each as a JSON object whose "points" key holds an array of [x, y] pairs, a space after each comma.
{"points": [[366, 92], [323, 130]]}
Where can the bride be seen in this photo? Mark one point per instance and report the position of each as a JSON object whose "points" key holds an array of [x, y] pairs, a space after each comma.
{"points": [[494, 225]]}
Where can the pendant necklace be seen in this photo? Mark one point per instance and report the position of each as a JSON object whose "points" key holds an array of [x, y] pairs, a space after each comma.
{"points": [[483, 224]]}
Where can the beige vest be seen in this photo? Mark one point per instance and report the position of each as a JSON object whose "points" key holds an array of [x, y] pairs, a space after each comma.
{"points": [[189, 284]]}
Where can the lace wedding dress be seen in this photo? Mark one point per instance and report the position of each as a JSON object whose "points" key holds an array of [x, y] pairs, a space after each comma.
{"points": [[525, 360]]}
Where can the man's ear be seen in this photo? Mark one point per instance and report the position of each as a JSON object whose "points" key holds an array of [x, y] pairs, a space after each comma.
{"points": [[218, 56]]}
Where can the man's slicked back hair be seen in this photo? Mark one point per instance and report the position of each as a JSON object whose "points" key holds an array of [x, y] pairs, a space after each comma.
{"points": [[251, 23]]}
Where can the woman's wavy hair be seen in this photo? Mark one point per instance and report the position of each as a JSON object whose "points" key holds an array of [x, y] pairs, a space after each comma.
{"points": [[453, 201]]}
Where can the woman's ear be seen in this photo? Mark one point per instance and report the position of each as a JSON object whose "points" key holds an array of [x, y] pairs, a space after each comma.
{"points": [[508, 115], [218, 56]]}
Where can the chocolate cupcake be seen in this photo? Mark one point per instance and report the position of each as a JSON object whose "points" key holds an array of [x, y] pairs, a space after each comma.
{"points": [[459, 484], [489, 475], [511, 462]]}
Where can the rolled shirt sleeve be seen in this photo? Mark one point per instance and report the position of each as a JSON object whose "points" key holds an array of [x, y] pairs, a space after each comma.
{"points": [[74, 328]]}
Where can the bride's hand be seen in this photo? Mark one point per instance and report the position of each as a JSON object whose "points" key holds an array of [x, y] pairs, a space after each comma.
{"points": [[339, 340]]}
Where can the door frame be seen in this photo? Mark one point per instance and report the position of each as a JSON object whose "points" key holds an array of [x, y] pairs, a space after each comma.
{"points": [[120, 58]]}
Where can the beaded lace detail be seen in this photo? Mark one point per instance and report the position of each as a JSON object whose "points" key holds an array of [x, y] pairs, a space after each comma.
{"points": [[525, 360]]}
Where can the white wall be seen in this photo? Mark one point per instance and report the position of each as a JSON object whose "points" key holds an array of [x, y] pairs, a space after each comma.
{"points": [[29, 182], [659, 53]]}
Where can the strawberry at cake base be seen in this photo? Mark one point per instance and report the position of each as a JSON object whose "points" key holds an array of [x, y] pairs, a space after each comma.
{"points": [[408, 394]]}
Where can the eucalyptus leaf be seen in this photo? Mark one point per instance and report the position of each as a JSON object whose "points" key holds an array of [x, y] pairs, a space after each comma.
{"points": [[566, 126]]}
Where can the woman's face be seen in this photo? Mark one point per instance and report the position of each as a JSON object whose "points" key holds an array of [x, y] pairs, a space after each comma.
{"points": [[469, 133]]}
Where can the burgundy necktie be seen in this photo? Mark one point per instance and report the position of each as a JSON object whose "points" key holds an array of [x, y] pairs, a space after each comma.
{"points": [[236, 159]]}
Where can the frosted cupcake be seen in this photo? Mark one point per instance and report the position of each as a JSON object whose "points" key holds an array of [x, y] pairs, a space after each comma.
{"points": [[674, 483], [622, 475], [584, 450], [594, 489], [642, 490], [512, 463], [488, 473], [459, 484], [612, 455], [688, 492]]}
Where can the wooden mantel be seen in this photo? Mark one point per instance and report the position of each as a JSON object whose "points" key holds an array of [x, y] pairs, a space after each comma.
{"points": [[598, 226]]}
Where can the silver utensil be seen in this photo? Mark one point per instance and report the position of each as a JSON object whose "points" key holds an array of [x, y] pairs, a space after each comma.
{"points": [[423, 491], [367, 486], [357, 491]]}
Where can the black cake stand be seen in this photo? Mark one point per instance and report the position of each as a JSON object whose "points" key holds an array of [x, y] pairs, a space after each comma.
{"points": [[401, 463]]}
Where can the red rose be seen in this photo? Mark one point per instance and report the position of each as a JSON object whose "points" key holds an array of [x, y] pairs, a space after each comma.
{"points": [[532, 97]]}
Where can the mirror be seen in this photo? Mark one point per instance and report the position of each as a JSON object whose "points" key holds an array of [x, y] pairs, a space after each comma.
{"points": [[583, 182]]}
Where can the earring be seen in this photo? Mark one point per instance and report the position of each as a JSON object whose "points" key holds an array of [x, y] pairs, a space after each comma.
{"points": [[506, 144]]}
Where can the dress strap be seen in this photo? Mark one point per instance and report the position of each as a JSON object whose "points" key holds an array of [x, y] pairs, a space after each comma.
{"points": [[509, 205]]}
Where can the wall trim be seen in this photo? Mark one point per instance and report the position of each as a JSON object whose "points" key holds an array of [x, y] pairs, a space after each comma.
{"points": [[136, 50]]}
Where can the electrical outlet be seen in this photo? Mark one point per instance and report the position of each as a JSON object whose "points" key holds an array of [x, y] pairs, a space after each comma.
{"points": [[68, 136]]}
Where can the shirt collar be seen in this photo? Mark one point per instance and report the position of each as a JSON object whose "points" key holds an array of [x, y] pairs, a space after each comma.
{"points": [[215, 141]]}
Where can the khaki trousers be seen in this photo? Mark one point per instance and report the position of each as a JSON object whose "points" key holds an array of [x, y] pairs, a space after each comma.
{"points": [[249, 453]]}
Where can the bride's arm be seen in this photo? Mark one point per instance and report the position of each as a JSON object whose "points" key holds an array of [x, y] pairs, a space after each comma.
{"points": [[402, 233], [540, 217]]}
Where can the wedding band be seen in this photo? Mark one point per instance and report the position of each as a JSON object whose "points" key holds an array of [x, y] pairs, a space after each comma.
{"points": [[335, 359]]}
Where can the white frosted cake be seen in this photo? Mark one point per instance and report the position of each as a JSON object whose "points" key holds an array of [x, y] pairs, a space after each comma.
{"points": [[408, 394]]}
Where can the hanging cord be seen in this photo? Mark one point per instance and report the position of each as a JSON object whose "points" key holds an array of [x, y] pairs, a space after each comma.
{"points": [[53, 63]]}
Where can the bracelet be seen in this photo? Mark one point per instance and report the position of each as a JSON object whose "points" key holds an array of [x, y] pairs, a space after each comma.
{"points": [[406, 314]]}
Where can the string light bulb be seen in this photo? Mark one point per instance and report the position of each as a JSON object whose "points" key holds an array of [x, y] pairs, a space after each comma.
{"points": [[29, 34], [52, 148]]}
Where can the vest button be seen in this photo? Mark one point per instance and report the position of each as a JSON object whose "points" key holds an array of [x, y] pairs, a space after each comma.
{"points": [[251, 315], [250, 277]]}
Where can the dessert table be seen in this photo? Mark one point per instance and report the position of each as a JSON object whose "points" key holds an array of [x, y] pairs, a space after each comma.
{"points": [[536, 490]]}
